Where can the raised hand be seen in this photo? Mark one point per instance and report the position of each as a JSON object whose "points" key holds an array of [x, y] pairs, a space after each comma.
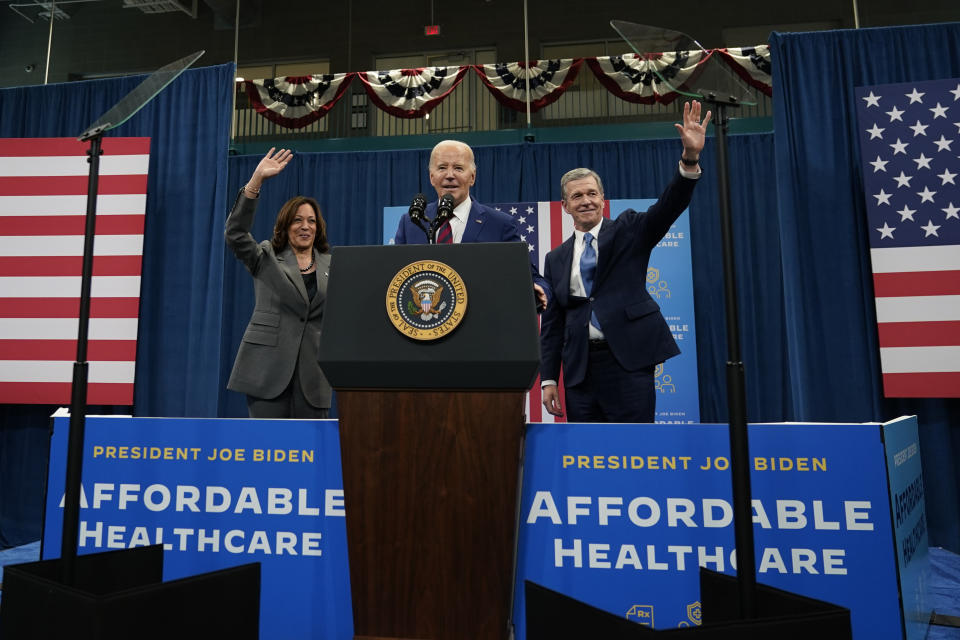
{"points": [[273, 163], [269, 166], [693, 133]]}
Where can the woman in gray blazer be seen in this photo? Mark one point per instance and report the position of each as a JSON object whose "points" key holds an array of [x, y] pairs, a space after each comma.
{"points": [[276, 365]]}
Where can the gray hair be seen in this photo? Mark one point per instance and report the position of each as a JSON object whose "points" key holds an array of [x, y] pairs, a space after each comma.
{"points": [[453, 143], [578, 174]]}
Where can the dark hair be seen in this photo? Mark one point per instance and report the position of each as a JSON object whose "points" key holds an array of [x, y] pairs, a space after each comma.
{"points": [[285, 218]]}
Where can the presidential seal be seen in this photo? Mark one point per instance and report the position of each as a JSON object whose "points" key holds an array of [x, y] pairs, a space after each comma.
{"points": [[426, 300]]}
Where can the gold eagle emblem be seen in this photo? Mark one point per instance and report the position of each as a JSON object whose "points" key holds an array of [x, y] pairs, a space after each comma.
{"points": [[424, 296]]}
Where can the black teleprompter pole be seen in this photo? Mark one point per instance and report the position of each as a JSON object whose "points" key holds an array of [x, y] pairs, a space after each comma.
{"points": [[78, 396], [729, 92], [736, 387], [114, 117]]}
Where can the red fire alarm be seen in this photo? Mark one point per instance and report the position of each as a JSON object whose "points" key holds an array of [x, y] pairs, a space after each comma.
{"points": [[431, 30]]}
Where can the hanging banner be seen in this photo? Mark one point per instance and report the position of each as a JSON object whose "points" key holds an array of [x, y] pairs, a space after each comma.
{"points": [[43, 206], [911, 198]]}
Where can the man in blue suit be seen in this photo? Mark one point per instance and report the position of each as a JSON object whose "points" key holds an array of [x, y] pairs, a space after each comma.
{"points": [[453, 171], [602, 325]]}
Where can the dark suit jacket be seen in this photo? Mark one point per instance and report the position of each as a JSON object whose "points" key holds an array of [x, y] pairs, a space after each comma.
{"points": [[484, 224], [630, 319], [284, 330]]}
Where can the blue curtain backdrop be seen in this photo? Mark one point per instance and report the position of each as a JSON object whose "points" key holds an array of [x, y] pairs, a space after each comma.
{"points": [[180, 315], [831, 338]]}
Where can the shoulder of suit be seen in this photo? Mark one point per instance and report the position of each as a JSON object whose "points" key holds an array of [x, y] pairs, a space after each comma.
{"points": [[625, 216], [492, 213], [566, 244]]}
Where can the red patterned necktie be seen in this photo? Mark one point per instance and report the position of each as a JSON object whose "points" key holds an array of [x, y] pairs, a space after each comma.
{"points": [[445, 234]]}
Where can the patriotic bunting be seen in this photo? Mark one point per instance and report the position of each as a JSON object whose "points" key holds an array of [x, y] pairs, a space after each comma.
{"points": [[752, 64], [296, 101], [411, 93], [634, 78], [548, 80]]}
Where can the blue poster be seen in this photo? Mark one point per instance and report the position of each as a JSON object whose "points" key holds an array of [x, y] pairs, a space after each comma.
{"points": [[670, 283], [619, 516], [217, 494], [622, 516], [908, 510]]}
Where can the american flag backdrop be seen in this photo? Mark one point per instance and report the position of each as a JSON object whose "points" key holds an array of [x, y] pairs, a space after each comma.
{"points": [[43, 187], [910, 144]]}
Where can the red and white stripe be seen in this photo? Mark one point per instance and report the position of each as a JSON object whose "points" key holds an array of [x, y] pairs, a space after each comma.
{"points": [[917, 291], [553, 227], [43, 201]]}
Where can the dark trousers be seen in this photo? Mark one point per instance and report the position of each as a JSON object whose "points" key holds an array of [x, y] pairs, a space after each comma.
{"points": [[610, 393], [289, 404]]}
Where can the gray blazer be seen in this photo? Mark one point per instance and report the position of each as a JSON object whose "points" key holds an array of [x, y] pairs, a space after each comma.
{"points": [[284, 330]]}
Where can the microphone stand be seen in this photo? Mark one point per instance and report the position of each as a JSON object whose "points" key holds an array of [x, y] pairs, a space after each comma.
{"points": [[444, 213]]}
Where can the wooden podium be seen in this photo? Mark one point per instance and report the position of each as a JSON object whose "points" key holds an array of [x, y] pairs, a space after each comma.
{"points": [[431, 438]]}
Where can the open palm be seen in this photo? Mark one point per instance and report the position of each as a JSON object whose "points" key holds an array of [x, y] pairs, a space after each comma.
{"points": [[273, 163]]}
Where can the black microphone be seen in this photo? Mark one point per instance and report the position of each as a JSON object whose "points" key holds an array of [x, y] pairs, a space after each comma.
{"points": [[416, 212], [445, 208], [417, 206]]}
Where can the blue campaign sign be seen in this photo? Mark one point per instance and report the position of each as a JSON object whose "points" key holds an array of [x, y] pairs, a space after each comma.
{"points": [[619, 516], [908, 509], [216, 494], [622, 516], [670, 283], [391, 220]]}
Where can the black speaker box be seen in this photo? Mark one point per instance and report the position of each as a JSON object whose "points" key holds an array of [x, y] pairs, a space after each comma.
{"points": [[780, 614], [121, 594]]}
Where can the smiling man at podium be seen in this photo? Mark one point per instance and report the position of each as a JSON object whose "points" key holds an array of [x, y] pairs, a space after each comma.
{"points": [[452, 172]]}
